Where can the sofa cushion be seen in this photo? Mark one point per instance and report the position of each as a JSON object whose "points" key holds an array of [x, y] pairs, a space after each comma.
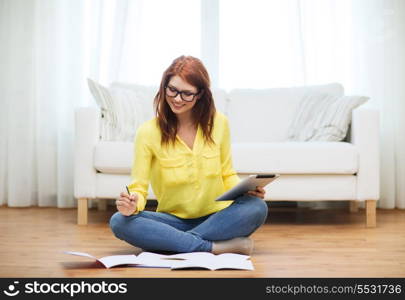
{"points": [[123, 108], [265, 115], [283, 158], [295, 158], [323, 117], [113, 157]]}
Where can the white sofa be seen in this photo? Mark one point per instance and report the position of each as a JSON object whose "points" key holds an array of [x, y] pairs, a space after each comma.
{"points": [[259, 121]]}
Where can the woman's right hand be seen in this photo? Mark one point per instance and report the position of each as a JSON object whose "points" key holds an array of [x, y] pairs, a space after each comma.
{"points": [[127, 204]]}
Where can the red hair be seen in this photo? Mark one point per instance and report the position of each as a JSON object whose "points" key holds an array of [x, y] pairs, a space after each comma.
{"points": [[192, 71]]}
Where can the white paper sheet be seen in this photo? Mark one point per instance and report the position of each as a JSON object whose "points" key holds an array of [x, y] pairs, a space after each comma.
{"points": [[176, 261]]}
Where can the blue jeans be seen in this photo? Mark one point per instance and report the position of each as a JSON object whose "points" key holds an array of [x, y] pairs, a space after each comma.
{"points": [[157, 231]]}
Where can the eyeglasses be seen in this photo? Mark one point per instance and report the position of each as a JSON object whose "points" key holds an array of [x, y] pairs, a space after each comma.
{"points": [[185, 95]]}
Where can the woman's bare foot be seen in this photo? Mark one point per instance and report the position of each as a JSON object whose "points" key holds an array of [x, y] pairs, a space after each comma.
{"points": [[240, 245]]}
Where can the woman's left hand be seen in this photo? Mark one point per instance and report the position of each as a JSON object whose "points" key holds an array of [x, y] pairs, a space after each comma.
{"points": [[259, 192]]}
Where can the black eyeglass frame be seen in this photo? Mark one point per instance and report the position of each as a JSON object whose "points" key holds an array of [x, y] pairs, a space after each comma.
{"points": [[181, 93]]}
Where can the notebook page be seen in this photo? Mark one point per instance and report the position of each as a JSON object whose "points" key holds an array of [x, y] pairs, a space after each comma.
{"points": [[192, 255], [233, 264], [116, 260], [153, 260], [80, 254], [232, 256]]}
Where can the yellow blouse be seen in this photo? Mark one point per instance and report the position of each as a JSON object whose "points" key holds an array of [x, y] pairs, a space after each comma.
{"points": [[186, 182]]}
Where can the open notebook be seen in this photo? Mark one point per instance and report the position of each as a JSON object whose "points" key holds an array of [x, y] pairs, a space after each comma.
{"points": [[193, 260]]}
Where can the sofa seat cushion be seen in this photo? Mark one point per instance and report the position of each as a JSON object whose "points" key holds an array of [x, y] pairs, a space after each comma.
{"points": [[282, 158], [295, 158], [113, 157]]}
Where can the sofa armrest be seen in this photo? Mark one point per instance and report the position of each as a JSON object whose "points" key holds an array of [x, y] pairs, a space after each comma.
{"points": [[87, 134], [365, 134]]}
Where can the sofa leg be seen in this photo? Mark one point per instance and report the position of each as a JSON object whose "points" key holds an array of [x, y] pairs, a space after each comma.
{"points": [[371, 209], [354, 206], [102, 204], [82, 211]]}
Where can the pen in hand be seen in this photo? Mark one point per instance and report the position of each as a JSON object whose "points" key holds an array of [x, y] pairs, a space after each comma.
{"points": [[124, 207], [129, 194]]}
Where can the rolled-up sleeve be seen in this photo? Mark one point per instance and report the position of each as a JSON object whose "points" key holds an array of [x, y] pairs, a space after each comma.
{"points": [[229, 175], [141, 168]]}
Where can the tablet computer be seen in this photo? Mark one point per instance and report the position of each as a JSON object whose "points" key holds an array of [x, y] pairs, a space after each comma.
{"points": [[248, 184]]}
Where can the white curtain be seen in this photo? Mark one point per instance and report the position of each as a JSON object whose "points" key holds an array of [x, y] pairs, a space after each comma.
{"points": [[41, 61], [378, 70], [48, 48]]}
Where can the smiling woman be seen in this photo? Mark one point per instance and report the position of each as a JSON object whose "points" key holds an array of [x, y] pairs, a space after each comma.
{"points": [[184, 152], [189, 79]]}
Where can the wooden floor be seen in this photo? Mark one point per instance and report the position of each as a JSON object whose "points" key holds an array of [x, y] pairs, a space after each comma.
{"points": [[293, 243]]}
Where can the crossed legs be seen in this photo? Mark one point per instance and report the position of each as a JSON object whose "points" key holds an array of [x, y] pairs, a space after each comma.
{"points": [[157, 231]]}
